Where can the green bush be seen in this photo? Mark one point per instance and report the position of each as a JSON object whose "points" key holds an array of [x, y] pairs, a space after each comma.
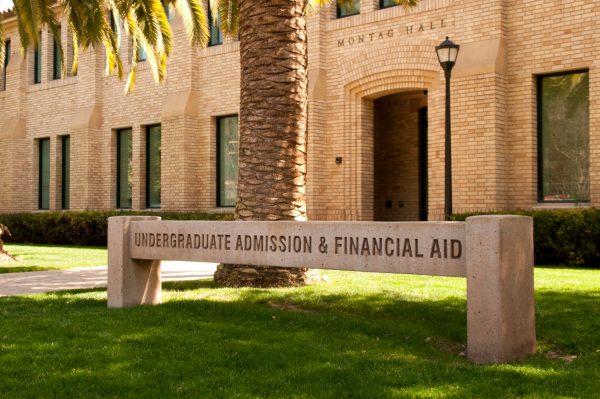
{"points": [[562, 237], [87, 228]]}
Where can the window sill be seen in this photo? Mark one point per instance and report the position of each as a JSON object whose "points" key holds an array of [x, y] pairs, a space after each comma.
{"points": [[68, 81], [562, 205]]}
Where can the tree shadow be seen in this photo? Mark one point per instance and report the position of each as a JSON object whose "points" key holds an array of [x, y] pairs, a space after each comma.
{"points": [[323, 345]]}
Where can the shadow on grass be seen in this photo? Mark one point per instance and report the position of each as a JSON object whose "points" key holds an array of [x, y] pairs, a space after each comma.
{"points": [[310, 343]]}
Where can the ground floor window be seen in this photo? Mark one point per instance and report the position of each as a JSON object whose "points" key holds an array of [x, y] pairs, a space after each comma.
{"points": [[44, 174], [563, 112], [66, 171], [227, 160], [124, 168], [153, 134]]}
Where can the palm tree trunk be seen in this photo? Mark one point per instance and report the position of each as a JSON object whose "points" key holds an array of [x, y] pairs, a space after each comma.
{"points": [[273, 119]]}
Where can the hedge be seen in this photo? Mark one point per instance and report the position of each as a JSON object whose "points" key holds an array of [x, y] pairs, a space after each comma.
{"points": [[562, 237], [87, 228]]}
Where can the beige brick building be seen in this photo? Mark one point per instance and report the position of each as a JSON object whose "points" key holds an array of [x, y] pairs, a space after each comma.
{"points": [[525, 117]]}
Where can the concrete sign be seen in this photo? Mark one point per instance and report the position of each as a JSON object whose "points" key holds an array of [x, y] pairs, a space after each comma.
{"points": [[435, 249], [494, 253]]}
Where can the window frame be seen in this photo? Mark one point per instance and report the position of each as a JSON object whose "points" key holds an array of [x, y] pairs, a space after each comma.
{"points": [[210, 36], [383, 7], [218, 157], [338, 11], [148, 128], [56, 66], [119, 149], [7, 50], [41, 191], [65, 190], [37, 63], [540, 139]]}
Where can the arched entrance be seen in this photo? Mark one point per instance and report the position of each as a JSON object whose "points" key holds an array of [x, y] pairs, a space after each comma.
{"points": [[400, 157]]}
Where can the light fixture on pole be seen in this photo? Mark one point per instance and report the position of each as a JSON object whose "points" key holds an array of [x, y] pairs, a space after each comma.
{"points": [[447, 53]]}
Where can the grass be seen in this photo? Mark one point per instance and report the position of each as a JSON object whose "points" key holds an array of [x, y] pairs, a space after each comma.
{"points": [[32, 258], [363, 336]]}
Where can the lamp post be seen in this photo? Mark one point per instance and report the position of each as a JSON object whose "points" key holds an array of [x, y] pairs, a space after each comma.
{"points": [[447, 53]]}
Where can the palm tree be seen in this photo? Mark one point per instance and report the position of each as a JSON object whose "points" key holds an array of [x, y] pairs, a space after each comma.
{"points": [[145, 22], [272, 121], [273, 104]]}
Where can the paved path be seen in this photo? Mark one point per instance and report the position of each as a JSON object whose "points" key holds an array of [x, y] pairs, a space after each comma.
{"points": [[91, 277]]}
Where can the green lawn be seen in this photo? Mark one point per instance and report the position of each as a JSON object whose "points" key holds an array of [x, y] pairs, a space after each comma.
{"points": [[47, 257], [362, 336]]}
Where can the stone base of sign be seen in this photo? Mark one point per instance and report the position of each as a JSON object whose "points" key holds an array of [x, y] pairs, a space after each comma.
{"points": [[497, 261], [130, 281], [500, 292], [262, 276]]}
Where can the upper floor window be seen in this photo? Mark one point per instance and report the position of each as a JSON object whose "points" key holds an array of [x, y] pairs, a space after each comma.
{"points": [[216, 36], [387, 3], [563, 137], [6, 61], [347, 8], [56, 62], [37, 62]]}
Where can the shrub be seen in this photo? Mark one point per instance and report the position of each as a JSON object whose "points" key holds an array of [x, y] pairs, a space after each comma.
{"points": [[566, 237], [87, 228]]}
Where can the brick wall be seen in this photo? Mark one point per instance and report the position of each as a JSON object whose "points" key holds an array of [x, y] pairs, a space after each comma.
{"points": [[355, 63]]}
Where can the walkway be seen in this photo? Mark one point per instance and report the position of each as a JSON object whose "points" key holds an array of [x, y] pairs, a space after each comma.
{"points": [[91, 277]]}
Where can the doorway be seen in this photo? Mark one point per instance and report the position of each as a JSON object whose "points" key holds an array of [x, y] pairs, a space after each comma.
{"points": [[400, 157]]}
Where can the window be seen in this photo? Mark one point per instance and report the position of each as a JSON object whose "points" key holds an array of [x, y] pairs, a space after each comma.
{"points": [[37, 62], [563, 137], [66, 171], [216, 36], [44, 174], [153, 166], [124, 168], [56, 62], [6, 61], [387, 3], [142, 55], [349, 8], [115, 24], [227, 160], [167, 11]]}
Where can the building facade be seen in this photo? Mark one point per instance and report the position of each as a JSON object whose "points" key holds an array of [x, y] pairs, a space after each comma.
{"points": [[525, 116]]}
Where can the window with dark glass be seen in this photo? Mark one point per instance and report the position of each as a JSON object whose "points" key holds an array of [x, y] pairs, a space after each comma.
{"points": [[66, 171], [153, 166], [563, 134], [124, 168], [44, 174], [6, 61], [115, 24], [345, 9], [227, 159], [216, 36], [56, 64], [387, 3], [37, 63]]}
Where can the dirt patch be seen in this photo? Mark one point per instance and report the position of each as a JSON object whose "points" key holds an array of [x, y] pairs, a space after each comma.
{"points": [[6, 258], [289, 306]]}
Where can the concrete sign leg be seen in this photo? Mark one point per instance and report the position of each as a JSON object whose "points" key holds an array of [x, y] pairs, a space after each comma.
{"points": [[500, 301], [131, 282]]}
